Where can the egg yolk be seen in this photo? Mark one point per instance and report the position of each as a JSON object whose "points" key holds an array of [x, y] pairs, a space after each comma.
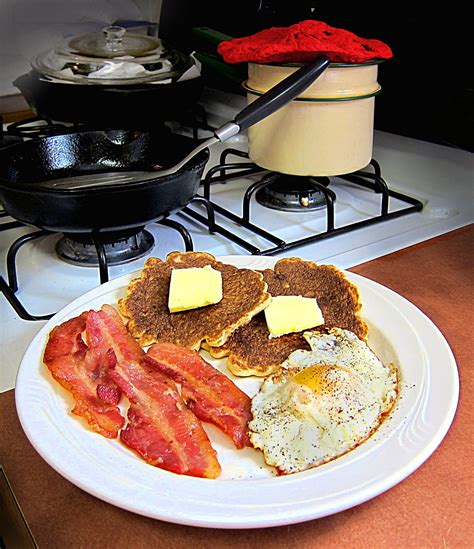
{"points": [[325, 379], [313, 377]]}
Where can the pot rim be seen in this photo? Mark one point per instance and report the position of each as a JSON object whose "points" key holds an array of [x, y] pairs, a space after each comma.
{"points": [[108, 86], [319, 99], [330, 66]]}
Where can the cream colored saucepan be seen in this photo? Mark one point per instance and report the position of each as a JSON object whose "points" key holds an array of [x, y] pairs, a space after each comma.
{"points": [[326, 130]]}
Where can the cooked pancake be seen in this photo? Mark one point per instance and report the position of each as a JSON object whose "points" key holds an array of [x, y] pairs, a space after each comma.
{"points": [[146, 304], [250, 350]]}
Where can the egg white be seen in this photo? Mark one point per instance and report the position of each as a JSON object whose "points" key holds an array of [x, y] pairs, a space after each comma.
{"points": [[322, 403]]}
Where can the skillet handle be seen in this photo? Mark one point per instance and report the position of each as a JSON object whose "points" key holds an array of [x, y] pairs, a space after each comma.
{"points": [[275, 98], [281, 94]]}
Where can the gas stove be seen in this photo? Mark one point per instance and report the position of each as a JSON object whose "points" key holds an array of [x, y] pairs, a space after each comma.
{"points": [[411, 191]]}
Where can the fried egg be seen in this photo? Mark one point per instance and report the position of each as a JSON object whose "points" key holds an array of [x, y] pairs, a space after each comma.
{"points": [[322, 403]]}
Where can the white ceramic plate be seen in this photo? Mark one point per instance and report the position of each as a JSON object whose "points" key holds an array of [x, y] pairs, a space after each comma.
{"points": [[248, 495]]}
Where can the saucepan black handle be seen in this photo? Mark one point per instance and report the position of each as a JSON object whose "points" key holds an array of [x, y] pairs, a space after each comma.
{"points": [[281, 94]]}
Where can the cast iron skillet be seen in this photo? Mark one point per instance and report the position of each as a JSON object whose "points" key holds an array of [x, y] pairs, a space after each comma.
{"points": [[23, 165]]}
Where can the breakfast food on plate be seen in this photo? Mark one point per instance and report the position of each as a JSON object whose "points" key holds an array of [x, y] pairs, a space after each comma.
{"points": [[298, 323], [302, 42], [83, 371], [150, 320], [161, 429], [168, 391], [251, 351], [210, 394], [89, 369], [322, 403]]}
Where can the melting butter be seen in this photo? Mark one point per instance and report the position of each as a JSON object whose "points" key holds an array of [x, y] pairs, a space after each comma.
{"points": [[194, 287], [292, 313]]}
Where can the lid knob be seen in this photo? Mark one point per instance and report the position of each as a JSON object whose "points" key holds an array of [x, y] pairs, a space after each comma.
{"points": [[113, 37]]}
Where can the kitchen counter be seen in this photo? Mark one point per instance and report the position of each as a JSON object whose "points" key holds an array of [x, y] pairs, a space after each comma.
{"points": [[431, 508]]}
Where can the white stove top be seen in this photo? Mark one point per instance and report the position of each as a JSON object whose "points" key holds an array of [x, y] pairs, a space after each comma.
{"points": [[440, 177]]}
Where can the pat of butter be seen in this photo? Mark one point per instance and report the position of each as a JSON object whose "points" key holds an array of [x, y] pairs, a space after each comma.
{"points": [[292, 313], [194, 287]]}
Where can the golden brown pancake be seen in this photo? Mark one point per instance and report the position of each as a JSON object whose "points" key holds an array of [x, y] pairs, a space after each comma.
{"points": [[250, 350], [146, 304]]}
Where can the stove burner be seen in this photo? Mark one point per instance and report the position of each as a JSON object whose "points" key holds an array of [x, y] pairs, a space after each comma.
{"points": [[293, 193], [119, 248], [114, 248]]}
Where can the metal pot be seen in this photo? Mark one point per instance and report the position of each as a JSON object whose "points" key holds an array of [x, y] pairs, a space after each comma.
{"points": [[327, 130], [110, 78]]}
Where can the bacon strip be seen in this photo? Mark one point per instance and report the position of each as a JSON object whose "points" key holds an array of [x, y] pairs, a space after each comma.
{"points": [[210, 394], [161, 429], [84, 373]]}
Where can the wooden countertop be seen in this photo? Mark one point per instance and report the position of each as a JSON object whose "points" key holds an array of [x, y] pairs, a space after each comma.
{"points": [[431, 508]]}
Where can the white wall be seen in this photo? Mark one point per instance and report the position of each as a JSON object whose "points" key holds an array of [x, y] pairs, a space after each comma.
{"points": [[28, 27]]}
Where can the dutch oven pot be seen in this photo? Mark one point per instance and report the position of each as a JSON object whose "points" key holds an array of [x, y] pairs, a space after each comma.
{"points": [[109, 78], [326, 130], [30, 170]]}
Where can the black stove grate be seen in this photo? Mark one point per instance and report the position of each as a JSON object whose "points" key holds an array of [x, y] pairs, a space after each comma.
{"points": [[369, 178], [36, 126]]}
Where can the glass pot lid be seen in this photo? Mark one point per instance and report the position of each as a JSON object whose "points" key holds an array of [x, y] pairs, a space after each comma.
{"points": [[114, 56]]}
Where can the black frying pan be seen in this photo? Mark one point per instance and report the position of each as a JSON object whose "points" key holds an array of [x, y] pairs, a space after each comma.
{"points": [[139, 105], [27, 169], [23, 166]]}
